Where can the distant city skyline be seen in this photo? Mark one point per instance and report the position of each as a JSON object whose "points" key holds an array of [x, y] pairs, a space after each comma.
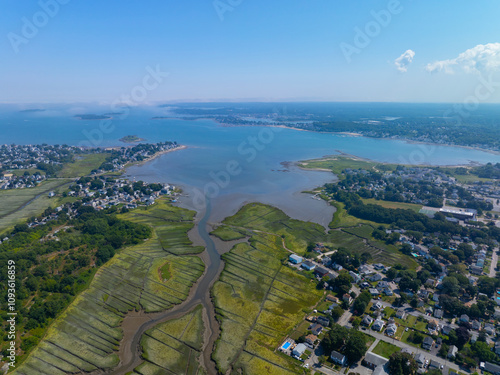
{"points": [[63, 51]]}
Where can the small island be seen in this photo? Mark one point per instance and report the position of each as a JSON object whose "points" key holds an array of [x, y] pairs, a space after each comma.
{"points": [[131, 139], [92, 117]]}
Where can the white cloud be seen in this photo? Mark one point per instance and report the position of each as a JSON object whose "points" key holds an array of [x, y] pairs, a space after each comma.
{"points": [[404, 60], [483, 57]]}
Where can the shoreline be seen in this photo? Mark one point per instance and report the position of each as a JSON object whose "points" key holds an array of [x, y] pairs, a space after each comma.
{"points": [[350, 134], [156, 155]]}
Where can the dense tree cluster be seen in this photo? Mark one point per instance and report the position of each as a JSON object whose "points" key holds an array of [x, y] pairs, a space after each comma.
{"points": [[53, 267], [350, 342], [402, 364]]}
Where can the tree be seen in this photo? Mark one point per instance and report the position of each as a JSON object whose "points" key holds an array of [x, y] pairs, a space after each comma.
{"points": [[343, 281], [402, 364], [483, 351], [355, 347], [462, 336], [392, 273], [450, 286], [335, 338], [337, 312]]}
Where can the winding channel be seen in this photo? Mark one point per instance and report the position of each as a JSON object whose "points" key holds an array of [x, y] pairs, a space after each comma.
{"points": [[136, 323]]}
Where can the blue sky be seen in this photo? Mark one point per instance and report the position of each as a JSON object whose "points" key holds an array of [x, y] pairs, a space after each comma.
{"points": [[98, 51]]}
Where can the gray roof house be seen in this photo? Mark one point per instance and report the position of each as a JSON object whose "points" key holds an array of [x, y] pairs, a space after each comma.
{"points": [[338, 358], [452, 351], [428, 342], [378, 325]]}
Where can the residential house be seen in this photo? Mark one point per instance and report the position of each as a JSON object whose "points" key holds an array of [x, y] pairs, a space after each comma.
{"points": [[295, 259], [378, 325], [355, 277], [492, 368], [452, 351], [367, 320], [338, 358], [308, 265], [376, 277], [382, 284], [388, 292], [497, 347], [438, 313], [391, 329], [377, 306], [473, 337], [374, 291], [434, 364], [420, 359], [325, 322], [332, 298], [321, 271], [299, 350], [316, 329], [400, 314], [489, 329], [428, 343], [347, 298], [364, 269], [446, 329], [373, 360], [311, 339], [476, 325], [433, 324], [464, 318]]}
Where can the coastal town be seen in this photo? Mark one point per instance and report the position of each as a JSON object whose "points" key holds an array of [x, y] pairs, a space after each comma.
{"points": [[443, 316]]}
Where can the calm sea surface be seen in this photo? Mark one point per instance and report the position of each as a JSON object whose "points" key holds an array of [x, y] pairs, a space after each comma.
{"points": [[231, 165]]}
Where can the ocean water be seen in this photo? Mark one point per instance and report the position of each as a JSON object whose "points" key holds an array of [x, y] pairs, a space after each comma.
{"points": [[230, 165]]}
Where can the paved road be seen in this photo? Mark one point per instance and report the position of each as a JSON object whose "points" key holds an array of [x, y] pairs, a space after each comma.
{"points": [[427, 355]]}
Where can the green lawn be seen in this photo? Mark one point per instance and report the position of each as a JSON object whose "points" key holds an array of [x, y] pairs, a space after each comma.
{"points": [[83, 165], [387, 204], [385, 349]]}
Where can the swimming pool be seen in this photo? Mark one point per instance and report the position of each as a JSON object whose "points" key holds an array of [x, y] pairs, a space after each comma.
{"points": [[286, 345]]}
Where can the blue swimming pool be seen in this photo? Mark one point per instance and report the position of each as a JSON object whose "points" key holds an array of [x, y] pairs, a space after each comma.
{"points": [[286, 345]]}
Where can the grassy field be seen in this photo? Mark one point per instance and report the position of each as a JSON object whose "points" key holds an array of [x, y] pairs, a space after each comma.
{"points": [[387, 204], [226, 233], [83, 165], [385, 349], [297, 234], [174, 346], [342, 219], [86, 336], [20, 204], [337, 164], [259, 300]]}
